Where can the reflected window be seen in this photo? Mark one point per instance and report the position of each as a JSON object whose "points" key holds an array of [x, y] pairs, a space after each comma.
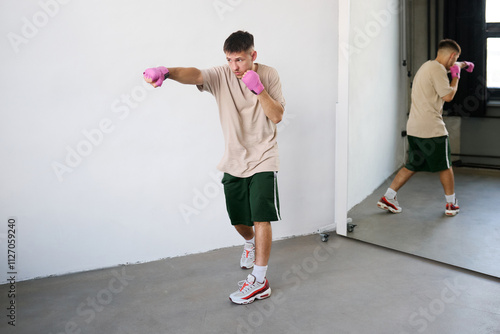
{"points": [[492, 18], [492, 11], [493, 63]]}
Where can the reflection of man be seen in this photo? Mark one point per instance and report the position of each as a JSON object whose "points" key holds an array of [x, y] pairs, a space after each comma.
{"points": [[429, 149], [250, 105]]}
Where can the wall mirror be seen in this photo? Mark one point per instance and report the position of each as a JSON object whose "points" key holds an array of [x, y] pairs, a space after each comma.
{"points": [[375, 148]]}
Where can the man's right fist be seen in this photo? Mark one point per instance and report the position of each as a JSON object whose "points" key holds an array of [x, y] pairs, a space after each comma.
{"points": [[156, 76], [455, 71], [252, 80]]}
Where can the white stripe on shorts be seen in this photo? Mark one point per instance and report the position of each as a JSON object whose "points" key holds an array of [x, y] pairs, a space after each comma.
{"points": [[446, 150], [275, 197]]}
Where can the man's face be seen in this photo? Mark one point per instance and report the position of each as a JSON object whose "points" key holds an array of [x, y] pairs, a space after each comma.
{"points": [[240, 62]]}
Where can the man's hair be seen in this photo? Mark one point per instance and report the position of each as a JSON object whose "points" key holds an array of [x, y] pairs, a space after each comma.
{"points": [[449, 44], [238, 41]]}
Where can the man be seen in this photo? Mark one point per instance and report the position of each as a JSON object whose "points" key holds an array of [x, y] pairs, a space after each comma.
{"points": [[250, 104], [429, 148]]}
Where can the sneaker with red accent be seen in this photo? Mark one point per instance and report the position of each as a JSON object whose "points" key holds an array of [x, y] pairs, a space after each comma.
{"points": [[452, 209], [248, 257], [391, 205], [250, 290]]}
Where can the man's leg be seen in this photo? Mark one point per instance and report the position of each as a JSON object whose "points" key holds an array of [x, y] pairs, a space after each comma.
{"points": [[448, 181], [245, 231], [247, 260], [389, 201], [264, 203], [401, 178], [263, 241]]}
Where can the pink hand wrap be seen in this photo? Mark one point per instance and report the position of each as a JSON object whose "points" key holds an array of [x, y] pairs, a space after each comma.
{"points": [[252, 80], [455, 71], [470, 66], [156, 75]]}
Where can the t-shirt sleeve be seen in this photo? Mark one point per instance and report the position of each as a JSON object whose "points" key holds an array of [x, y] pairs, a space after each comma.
{"points": [[274, 87], [441, 83], [211, 80]]}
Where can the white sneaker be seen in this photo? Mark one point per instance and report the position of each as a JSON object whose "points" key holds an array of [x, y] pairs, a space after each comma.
{"points": [[248, 257], [452, 209], [391, 205], [250, 290]]}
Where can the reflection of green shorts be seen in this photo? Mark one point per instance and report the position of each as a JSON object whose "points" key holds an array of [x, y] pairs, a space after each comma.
{"points": [[252, 199], [428, 154]]}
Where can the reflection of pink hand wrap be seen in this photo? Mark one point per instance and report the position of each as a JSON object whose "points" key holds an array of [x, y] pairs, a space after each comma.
{"points": [[455, 71], [157, 75], [470, 66], [252, 80]]}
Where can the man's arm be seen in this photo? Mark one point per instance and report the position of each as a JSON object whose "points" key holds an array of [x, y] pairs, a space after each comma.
{"points": [[455, 77], [467, 65], [184, 75], [272, 108], [454, 86]]}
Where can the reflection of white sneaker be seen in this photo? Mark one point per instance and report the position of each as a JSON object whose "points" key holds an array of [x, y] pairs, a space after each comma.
{"points": [[250, 290], [452, 209], [391, 205], [248, 257]]}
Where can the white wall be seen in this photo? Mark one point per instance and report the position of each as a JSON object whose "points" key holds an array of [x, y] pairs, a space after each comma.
{"points": [[144, 184], [377, 96]]}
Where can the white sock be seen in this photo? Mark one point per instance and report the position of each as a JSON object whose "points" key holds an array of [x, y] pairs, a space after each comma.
{"points": [[450, 198], [251, 241], [260, 273], [390, 194]]}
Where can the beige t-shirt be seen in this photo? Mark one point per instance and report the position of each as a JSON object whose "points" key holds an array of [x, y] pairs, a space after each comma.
{"points": [[431, 83], [250, 137]]}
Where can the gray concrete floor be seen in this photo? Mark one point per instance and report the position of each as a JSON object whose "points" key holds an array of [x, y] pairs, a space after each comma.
{"points": [[341, 286], [470, 240]]}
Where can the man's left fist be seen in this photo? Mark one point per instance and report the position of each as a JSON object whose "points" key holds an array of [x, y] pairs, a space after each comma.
{"points": [[252, 80], [470, 66]]}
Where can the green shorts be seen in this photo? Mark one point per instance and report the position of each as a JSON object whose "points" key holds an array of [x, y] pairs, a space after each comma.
{"points": [[428, 154], [252, 199]]}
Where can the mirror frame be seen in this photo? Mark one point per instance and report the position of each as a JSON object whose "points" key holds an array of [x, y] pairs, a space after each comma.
{"points": [[342, 121]]}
